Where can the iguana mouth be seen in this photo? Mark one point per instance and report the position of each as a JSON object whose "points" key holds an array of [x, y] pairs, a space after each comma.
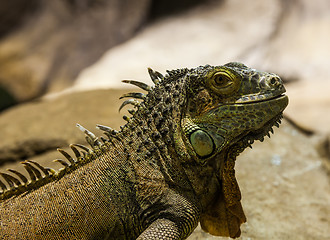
{"points": [[255, 98]]}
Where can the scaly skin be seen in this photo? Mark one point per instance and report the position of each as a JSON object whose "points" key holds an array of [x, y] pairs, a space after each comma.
{"points": [[170, 167]]}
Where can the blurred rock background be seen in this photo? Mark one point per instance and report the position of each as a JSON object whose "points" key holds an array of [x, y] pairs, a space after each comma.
{"points": [[62, 62]]}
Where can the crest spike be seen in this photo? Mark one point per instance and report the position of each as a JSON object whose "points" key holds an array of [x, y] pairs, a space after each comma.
{"points": [[20, 175], [141, 85], [126, 118], [106, 129], [61, 161], [134, 102], [30, 172], [159, 75], [90, 137], [87, 132], [13, 179], [10, 180], [75, 151], [67, 156], [3, 186], [153, 76], [133, 95], [86, 149], [34, 170], [50, 171], [40, 167]]}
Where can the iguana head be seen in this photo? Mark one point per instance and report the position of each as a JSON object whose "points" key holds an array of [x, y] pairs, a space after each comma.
{"points": [[206, 116], [230, 104]]}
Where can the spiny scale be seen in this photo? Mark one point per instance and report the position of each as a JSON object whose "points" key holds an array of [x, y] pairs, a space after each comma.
{"points": [[33, 172], [44, 170], [83, 147], [141, 85], [133, 102], [133, 95], [67, 156], [155, 76], [126, 118], [20, 175], [75, 151], [91, 139], [61, 161], [10, 180]]}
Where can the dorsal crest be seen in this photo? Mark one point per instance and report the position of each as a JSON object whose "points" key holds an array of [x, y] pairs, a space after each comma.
{"points": [[15, 183]]}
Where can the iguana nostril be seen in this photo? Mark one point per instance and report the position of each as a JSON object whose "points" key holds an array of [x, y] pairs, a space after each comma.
{"points": [[274, 81]]}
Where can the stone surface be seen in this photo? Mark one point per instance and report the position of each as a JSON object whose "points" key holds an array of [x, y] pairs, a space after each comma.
{"points": [[59, 38], [13, 13], [298, 48], [310, 104]]}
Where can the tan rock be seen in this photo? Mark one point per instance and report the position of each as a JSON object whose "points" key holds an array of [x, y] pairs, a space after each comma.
{"points": [[62, 37], [310, 104]]}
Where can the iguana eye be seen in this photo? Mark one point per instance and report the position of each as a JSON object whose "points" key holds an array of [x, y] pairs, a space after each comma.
{"points": [[223, 82]]}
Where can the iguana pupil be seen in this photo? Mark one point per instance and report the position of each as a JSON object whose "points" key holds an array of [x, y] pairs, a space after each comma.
{"points": [[221, 80]]}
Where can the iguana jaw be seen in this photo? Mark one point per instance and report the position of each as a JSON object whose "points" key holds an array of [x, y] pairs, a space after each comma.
{"points": [[246, 140], [225, 215]]}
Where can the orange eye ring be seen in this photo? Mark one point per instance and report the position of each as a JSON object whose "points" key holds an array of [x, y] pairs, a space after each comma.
{"points": [[223, 82]]}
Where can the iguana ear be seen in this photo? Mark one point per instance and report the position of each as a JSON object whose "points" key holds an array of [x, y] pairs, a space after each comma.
{"points": [[220, 220]]}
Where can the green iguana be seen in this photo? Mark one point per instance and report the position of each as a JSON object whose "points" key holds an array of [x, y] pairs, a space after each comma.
{"points": [[168, 168]]}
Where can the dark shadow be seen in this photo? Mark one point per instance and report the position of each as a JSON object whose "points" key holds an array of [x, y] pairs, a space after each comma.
{"points": [[6, 99], [161, 8]]}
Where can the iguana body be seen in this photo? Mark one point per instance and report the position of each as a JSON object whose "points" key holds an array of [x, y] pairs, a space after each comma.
{"points": [[170, 166]]}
